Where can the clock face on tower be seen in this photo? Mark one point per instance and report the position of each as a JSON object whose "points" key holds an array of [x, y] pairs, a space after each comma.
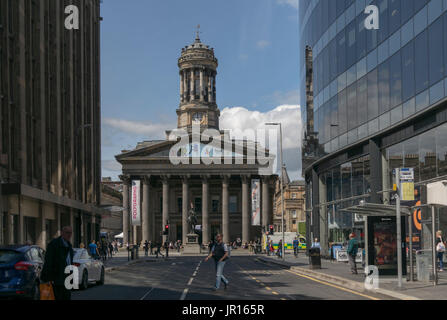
{"points": [[198, 117]]}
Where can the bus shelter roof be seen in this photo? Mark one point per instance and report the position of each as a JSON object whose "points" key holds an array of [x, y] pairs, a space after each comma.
{"points": [[377, 210]]}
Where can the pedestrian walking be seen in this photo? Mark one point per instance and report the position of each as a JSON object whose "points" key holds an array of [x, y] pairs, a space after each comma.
{"points": [[167, 249], [279, 252], [146, 248], [440, 249], [353, 247], [296, 244], [93, 249], [58, 256], [158, 252], [219, 253]]}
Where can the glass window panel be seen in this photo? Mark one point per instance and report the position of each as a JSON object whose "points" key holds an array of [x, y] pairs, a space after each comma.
{"points": [[395, 14], [394, 160], [340, 22], [329, 187], [384, 87], [363, 131], [422, 101], [383, 52], [441, 149], [367, 174], [362, 100], [334, 117], [384, 121], [352, 106], [434, 10], [352, 136], [350, 13], [361, 68], [361, 37], [407, 9], [408, 71], [437, 92], [342, 82], [383, 18], [409, 108], [395, 80], [371, 40], [343, 140], [371, 60], [351, 75], [357, 177], [334, 145], [435, 47], [333, 59], [351, 44], [336, 186], [407, 33], [427, 155], [373, 95], [396, 115], [445, 41], [394, 43], [420, 21], [411, 156], [373, 126], [418, 4], [421, 62], [342, 112], [346, 183]]}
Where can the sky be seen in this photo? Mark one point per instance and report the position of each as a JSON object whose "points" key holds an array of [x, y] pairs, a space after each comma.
{"points": [[255, 41]]}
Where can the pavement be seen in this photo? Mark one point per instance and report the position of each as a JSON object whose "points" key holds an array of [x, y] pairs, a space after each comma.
{"points": [[338, 273], [190, 278]]}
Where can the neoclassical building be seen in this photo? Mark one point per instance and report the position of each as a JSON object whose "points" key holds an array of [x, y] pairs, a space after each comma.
{"points": [[220, 191]]}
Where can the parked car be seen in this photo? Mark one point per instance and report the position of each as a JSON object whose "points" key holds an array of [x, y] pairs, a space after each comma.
{"points": [[90, 270], [20, 268]]}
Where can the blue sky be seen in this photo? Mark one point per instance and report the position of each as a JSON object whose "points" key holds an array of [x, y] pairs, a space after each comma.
{"points": [[256, 42]]}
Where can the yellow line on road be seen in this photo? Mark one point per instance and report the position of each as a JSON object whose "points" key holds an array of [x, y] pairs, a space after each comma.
{"points": [[333, 285], [275, 293], [268, 288]]}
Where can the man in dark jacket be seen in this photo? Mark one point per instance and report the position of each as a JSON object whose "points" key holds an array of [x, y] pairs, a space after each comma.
{"points": [[58, 256], [353, 247], [220, 254]]}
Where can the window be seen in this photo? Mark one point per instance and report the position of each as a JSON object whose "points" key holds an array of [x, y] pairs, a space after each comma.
{"points": [[362, 100], [373, 95], [233, 204], [215, 203], [395, 80], [334, 117], [342, 112], [395, 14], [333, 59], [435, 44], [408, 71], [179, 205], [407, 10], [341, 52], [346, 180], [427, 155], [361, 37], [293, 213], [351, 44], [384, 87], [445, 42], [293, 195], [383, 31], [421, 62], [352, 106]]}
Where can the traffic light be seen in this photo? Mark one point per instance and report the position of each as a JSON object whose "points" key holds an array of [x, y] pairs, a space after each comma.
{"points": [[166, 232], [271, 229]]}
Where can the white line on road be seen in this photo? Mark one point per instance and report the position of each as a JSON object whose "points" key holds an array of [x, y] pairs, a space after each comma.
{"points": [[190, 281], [184, 294], [147, 293]]}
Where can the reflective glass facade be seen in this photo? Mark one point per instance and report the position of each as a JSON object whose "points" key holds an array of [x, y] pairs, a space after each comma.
{"points": [[366, 81]]}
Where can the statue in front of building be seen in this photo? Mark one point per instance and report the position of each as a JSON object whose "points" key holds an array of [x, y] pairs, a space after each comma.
{"points": [[192, 220]]}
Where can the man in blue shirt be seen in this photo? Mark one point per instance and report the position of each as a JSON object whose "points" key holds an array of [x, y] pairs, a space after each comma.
{"points": [[296, 246], [93, 248]]}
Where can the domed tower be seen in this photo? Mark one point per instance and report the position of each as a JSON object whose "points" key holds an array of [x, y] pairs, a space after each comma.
{"points": [[198, 70]]}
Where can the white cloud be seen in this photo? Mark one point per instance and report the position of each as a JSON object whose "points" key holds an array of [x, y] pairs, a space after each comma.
{"points": [[261, 44], [240, 118], [111, 165], [292, 3]]}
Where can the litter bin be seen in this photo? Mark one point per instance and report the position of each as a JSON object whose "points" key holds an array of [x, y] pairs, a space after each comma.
{"points": [[423, 265], [314, 258]]}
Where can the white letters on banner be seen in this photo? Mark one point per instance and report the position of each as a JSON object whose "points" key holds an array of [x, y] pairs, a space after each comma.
{"points": [[136, 216]]}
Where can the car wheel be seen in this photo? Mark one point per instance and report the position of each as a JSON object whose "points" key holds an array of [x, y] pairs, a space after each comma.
{"points": [[101, 279], [84, 284]]}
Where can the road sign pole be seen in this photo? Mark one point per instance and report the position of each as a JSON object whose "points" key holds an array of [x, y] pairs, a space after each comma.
{"points": [[399, 231], [433, 227]]}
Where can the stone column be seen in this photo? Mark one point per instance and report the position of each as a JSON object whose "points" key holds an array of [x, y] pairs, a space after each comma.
{"points": [[193, 86], [210, 93], [202, 86], [41, 228], [146, 234], [181, 86], [185, 207], [245, 209], [126, 185], [265, 202], [225, 212], [214, 87], [205, 210], [185, 85], [165, 214]]}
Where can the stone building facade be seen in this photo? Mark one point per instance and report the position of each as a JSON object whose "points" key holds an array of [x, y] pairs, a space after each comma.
{"points": [[49, 121], [219, 192]]}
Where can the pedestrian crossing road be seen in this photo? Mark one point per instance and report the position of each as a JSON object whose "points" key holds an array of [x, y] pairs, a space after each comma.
{"points": [[190, 278]]}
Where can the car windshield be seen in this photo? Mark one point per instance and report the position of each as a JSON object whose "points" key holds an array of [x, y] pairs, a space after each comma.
{"points": [[8, 256]]}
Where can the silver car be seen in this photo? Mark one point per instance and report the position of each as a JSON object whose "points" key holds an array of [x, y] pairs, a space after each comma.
{"points": [[90, 269]]}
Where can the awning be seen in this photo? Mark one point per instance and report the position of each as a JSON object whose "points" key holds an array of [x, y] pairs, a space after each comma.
{"points": [[377, 210]]}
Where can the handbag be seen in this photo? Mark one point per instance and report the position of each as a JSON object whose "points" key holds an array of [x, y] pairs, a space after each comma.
{"points": [[46, 291], [440, 247]]}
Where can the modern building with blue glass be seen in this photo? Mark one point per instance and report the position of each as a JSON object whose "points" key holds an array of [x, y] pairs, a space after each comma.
{"points": [[372, 101]]}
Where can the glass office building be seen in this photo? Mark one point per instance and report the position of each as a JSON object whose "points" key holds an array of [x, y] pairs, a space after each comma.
{"points": [[379, 102]]}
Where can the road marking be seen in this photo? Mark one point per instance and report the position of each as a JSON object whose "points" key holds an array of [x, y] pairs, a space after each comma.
{"points": [[190, 281], [268, 288], [334, 286], [185, 292], [275, 293], [147, 293], [283, 299]]}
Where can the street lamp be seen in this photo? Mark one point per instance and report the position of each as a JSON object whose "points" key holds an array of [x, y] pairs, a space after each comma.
{"points": [[281, 184]]}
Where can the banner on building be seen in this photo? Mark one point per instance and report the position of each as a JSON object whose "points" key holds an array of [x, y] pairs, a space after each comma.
{"points": [[256, 202], [135, 209]]}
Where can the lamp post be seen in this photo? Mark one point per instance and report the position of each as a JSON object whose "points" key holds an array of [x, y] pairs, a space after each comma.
{"points": [[281, 184]]}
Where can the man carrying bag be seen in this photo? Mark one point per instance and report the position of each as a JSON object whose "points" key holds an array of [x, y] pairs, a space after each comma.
{"points": [[58, 256]]}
